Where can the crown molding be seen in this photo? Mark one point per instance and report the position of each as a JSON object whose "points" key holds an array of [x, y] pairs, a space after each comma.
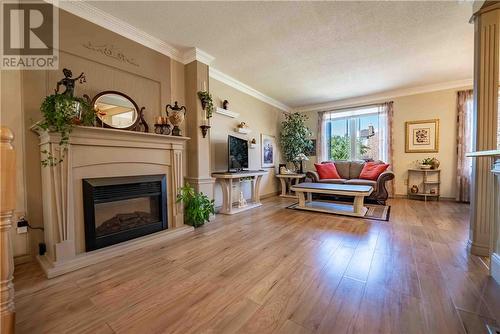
{"points": [[122, 28], [232, 82], [385, 95], [197, 54]]}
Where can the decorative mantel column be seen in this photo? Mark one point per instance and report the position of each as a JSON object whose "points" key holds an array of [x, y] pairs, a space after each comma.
{"points": [[198, 148], [486, 71], [7, 206]]}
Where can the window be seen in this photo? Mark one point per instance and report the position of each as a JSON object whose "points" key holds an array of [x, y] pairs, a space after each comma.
{"points": [[355, 134]]}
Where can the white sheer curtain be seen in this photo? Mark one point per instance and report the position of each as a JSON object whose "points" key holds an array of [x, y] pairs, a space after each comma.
{"points": [[385, 118], [321, 140], [464, 144]]}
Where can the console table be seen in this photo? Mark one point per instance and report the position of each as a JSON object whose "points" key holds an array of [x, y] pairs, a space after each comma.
{"points": [[226, 181]]}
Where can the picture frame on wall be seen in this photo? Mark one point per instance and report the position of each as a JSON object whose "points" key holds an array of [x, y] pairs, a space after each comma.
{"points": [[312, 152], [268, 150], [422, 136]]}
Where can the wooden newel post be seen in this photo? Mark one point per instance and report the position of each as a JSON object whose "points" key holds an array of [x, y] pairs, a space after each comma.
{"points": [[7, 207]]}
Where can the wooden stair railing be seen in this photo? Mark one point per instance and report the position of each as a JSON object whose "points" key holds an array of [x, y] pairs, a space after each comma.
{"points": [[7, 207]]}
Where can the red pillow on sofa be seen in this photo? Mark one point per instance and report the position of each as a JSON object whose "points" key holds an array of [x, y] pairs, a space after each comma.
{"points": [[372, 170], [327, 171]]}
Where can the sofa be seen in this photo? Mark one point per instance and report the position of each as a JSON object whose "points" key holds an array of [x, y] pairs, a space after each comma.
{"points": [[349, 172]]}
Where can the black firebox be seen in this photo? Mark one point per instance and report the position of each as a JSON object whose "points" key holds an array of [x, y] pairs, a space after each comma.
{"points": [[118, 209]]}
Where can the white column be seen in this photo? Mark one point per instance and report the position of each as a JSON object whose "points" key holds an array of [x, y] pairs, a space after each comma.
{"points": [[486, 61]]}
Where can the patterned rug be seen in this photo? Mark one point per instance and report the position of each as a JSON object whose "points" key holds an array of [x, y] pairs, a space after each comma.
{"points": [[375, 211]]}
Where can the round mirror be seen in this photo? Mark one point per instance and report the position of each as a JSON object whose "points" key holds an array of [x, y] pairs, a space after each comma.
{"points": [[116, 110]]}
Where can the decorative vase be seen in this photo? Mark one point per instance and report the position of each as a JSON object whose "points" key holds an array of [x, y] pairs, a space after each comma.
{"points": [[435, 163], [176, 117], [414, 189], [425, 166]]}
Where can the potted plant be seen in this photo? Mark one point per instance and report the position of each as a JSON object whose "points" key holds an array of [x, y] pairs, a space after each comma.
{"points": [[206, 102], [294, 137], [426, 163], [197, 206], [61, 112]]}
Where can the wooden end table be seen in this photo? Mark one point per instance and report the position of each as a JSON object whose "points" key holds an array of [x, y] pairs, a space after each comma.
{"points": [[287, 181]]}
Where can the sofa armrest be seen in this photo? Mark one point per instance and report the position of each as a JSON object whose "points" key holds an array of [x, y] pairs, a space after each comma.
{"points": [[382, 193], [313, 176], [385, 176]]}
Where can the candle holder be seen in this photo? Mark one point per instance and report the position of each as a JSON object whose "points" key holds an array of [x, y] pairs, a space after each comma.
{"points": [[162, 129]]}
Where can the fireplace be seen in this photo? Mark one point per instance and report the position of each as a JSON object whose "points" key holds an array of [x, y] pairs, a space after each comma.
{"points": [[118, 209]]}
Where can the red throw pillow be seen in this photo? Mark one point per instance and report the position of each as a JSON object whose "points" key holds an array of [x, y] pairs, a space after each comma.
{"points": [[327, 171], [372, 170]]}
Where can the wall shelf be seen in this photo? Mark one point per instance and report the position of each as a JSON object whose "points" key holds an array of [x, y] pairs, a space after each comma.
{"points": [[227, 113], [242, 130]]}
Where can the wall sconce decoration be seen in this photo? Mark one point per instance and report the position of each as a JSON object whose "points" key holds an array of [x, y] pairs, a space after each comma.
{"points": [[176, 117], [253, 143], [204, 129]]}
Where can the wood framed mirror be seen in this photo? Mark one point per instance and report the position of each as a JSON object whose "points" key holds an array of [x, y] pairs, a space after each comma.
{"points": [[116, 110]]}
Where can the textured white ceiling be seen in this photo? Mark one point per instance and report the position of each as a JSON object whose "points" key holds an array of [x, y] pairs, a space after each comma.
{"points": [[303, 53]]}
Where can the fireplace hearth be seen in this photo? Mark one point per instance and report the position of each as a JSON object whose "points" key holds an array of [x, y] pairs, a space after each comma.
{"points": [[117, 209]]}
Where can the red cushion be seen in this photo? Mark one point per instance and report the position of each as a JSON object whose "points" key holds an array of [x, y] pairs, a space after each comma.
{"points": [[327, 171], [372, 170]]}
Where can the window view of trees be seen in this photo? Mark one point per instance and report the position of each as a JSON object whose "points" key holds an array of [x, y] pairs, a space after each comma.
{"points": [[353, 137], [340, 148]]}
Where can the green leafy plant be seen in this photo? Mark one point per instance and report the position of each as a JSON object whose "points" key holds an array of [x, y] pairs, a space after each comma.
{"points": [[340, 147], [60, 113], [197, 206], [206, 102], [294, 136], [427, 161]]}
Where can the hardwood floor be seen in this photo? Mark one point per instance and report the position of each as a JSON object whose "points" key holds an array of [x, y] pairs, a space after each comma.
{"points": [[275, 270]]}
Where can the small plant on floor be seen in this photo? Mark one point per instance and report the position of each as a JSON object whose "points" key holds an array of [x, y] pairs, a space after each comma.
{"points": [[197, 206]]}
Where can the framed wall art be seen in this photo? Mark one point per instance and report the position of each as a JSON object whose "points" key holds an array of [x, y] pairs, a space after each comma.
{"points": [[268, 150], [422, 136]]}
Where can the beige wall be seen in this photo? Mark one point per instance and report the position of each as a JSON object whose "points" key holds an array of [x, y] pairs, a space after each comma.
{"points": [[439, 104], [261, 117], [147, 78]]}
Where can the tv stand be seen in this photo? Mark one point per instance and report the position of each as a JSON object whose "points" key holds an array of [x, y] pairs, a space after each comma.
{"points": [[226, 181]]}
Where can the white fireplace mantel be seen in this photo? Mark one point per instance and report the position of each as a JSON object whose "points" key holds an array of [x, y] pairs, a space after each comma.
{"points": [[93, 153]]}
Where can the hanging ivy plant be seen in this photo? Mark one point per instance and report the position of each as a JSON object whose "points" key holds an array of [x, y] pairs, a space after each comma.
{"points": [[60, 114], [206, 102]]}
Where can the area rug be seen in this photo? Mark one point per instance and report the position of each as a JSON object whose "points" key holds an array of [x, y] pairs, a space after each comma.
{"points": [[375, 211]]}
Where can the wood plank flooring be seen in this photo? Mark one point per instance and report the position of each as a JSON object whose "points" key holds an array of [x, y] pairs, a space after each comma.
{"points": [[275, 270]]}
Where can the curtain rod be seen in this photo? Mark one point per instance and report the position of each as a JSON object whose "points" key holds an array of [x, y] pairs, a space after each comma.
{"points": [[356, 106]]}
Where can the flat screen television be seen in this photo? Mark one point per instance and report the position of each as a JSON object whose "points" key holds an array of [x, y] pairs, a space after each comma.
{"points": [[237, 149]]}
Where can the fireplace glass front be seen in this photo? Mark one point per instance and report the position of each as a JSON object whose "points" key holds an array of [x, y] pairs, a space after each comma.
{"points": [[122, 208]]}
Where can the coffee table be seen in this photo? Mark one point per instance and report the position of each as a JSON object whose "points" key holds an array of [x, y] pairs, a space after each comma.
{"points": [[359, 193]]}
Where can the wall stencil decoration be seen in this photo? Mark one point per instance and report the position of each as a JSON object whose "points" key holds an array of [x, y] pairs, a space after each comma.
{"points": [[111, 51], [422, 136], [268, 150]]}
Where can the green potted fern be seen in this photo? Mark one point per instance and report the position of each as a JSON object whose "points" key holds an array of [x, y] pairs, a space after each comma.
{"points": [[197, 206], [61, 113]]}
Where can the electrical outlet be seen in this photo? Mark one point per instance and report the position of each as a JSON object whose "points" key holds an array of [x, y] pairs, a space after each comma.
{"points": [[23, 229]]}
